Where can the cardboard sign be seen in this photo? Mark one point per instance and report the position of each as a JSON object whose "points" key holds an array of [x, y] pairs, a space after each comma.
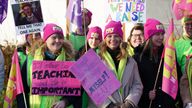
{"points": [[53, 78], [27, 16], [97, 80], [127, 11]]}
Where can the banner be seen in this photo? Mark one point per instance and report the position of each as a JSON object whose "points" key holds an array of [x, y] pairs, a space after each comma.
{"points": [[27, 16], [181, 8], [98, 81], [53, 78], [127, 10], [3, 10], [74, 12], [15, 84], [170, 80]]}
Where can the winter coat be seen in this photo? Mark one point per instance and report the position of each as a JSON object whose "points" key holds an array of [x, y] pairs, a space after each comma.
{"points": [[131, 86], [182, 45], [148, 69], [77, 41]]}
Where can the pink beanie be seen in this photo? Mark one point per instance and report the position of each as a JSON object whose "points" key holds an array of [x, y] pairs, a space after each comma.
{"points": [[87, 12], [50, 29], [151, 27], [113, 27], [95, 31]]}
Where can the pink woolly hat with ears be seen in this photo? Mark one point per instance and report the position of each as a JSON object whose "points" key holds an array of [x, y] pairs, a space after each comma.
{"points": [[95, 32], [50, 29], [151, 27], [87, 12], [113, 27]]}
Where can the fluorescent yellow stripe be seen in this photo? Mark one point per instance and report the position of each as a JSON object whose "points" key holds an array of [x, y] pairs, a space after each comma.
{"points": [[189, 1], [177, 1], [121, 67], [189, 73], [11, 87]]}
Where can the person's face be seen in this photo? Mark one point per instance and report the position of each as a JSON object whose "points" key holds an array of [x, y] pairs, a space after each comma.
{"points": [[137, 38], [27, 10], [29, 38], [36, 37], [94, 41], [188, 28], [113, 41], [55, 42], [157, 39], [86, 19]]}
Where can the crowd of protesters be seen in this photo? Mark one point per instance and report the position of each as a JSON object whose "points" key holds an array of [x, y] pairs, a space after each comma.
{"points": [[135, 63]]}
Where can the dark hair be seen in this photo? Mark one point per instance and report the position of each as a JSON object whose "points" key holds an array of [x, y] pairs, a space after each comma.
{"points": [[27, 42], [148, 48], [38, 34], [25, 4], [138, 26]]}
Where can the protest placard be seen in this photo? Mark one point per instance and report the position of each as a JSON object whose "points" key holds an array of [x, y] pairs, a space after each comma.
{"points": [[127, 10], [27, 16], [98, 81], [53, 78]]}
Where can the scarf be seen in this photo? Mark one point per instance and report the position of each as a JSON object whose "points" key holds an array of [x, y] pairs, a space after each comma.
{"points": [[121, 67]]}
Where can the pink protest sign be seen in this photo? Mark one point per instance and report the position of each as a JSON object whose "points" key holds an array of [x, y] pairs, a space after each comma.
{"points": [[97, 80], [53, 78]]}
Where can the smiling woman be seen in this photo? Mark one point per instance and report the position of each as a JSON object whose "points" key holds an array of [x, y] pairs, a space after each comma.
{"points": [[148, 57], [113, 52], [136, 36], [53, 48]]}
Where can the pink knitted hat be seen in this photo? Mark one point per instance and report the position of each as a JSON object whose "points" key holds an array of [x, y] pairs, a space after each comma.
{"points": [[87, 12], [95, 31], [50, 29], [113, 27], [151, 27]]}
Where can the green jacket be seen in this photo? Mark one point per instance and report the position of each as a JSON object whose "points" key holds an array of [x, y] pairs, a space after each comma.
{"points": [[77, 41], [182, 45], [22, 58]]}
